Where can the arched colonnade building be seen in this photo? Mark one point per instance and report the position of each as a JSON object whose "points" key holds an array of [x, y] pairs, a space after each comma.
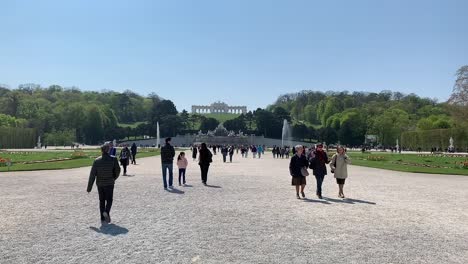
{"points": [[218, 107]]}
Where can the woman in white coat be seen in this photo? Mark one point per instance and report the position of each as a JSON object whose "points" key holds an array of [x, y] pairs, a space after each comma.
{"points": [[338, 166]]}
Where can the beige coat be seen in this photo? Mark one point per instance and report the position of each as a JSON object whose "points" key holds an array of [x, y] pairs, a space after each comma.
{"points": [[339, 163]]}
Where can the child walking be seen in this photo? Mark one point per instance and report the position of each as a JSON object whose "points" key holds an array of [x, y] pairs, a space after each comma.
{"points": [[182, 164]]}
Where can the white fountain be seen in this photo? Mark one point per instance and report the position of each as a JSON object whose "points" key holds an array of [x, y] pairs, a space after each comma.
{"points": [[397, 146], [286, 133], [157, 135]]}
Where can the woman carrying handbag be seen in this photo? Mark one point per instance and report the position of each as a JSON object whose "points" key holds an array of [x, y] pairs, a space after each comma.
{"points": [[298, 170], [339, 166]]}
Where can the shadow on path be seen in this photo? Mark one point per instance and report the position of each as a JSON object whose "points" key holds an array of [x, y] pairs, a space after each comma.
{"points": [[348, 201], [213, 186], [315, 201], [174, 190], [188, 185], [110, 229]]}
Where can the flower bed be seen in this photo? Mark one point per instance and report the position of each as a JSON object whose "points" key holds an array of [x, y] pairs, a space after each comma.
{"points": [[464, 164], [375, 158], [5, 162]]}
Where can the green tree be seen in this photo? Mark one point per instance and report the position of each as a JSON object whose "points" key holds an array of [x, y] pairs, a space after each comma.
{"points": [[208, 124]]}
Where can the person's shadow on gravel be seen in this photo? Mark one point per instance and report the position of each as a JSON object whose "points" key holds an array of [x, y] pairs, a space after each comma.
{"points": [[315, 201], [348, 201], [110, 229], [174, 190], [213, 186], [188, 185]]}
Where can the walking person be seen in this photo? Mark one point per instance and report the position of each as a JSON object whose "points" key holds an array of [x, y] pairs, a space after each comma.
{"points": [[319, 167], [231, 153], [194, 152], [105, 171], [167, 159], [254, 151], [260, 151], [204, 159], [112, 149], [182, 163], [298, 170], [124, 157], [224, 152], [133, 149], [339, 166]]}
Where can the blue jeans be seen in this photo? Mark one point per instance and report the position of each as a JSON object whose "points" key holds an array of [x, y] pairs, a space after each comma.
{"points": [[181, 176], [319, 183], [166, 167]]}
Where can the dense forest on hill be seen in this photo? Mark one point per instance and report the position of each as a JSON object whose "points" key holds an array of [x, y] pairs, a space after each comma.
{"points": [[65, 115]]}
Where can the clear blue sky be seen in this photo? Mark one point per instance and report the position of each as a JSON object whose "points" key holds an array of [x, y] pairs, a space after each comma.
{"points": [[245, 52]]}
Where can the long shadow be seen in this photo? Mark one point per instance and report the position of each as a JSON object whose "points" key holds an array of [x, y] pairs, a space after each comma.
{"points": [[338, 200], [315, 201], [349, 201], [129, 175], [360, 201], [188, 185], [110, 229], [213, 186], [177, 191]]}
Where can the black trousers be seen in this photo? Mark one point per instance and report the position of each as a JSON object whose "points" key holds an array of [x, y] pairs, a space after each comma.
{"points": [[204, 172], [106, 195], [133, 158]]}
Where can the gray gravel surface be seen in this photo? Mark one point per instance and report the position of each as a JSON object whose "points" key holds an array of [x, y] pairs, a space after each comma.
{"points": [[249, 214]]}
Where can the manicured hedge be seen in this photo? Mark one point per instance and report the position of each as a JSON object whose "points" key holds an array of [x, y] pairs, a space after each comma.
{"points": [[439, 138], [12, 137]]}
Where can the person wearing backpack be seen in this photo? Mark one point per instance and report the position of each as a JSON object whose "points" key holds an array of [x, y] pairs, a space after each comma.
{"points": [[339, 166], [124, 157], [204, 159]]}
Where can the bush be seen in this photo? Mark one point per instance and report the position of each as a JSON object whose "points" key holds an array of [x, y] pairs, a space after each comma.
{"points": [[464, 164], [79, 155]]}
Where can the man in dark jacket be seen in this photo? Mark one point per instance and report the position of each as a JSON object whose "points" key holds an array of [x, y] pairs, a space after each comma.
{"points": [[167, 159], [105, 171], [318, 164], [134, 152]]}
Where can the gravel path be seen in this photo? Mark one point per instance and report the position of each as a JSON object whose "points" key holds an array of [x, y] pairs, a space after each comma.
{"points": [[249, 214]]}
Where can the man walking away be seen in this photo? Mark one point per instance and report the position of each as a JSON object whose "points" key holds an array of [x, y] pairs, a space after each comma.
{"points": [[231, 152], [105, 171], [224, 151], [134, 152], [167, 158]]}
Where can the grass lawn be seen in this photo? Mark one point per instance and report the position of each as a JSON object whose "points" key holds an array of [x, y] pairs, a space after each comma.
{"points": [[411, 162], [221, 117], [131, 125], [82, 158]]}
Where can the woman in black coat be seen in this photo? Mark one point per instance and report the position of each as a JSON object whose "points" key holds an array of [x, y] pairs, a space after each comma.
{"points": [[194, 152], [204, 159], [297, 166]]}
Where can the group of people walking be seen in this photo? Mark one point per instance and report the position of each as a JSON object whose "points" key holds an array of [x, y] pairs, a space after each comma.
{"points": [[317, 159], [106, 169], [282, 152]]}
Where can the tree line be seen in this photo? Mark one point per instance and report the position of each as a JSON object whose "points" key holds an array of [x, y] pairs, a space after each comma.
{"points": [[65, 115]]}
